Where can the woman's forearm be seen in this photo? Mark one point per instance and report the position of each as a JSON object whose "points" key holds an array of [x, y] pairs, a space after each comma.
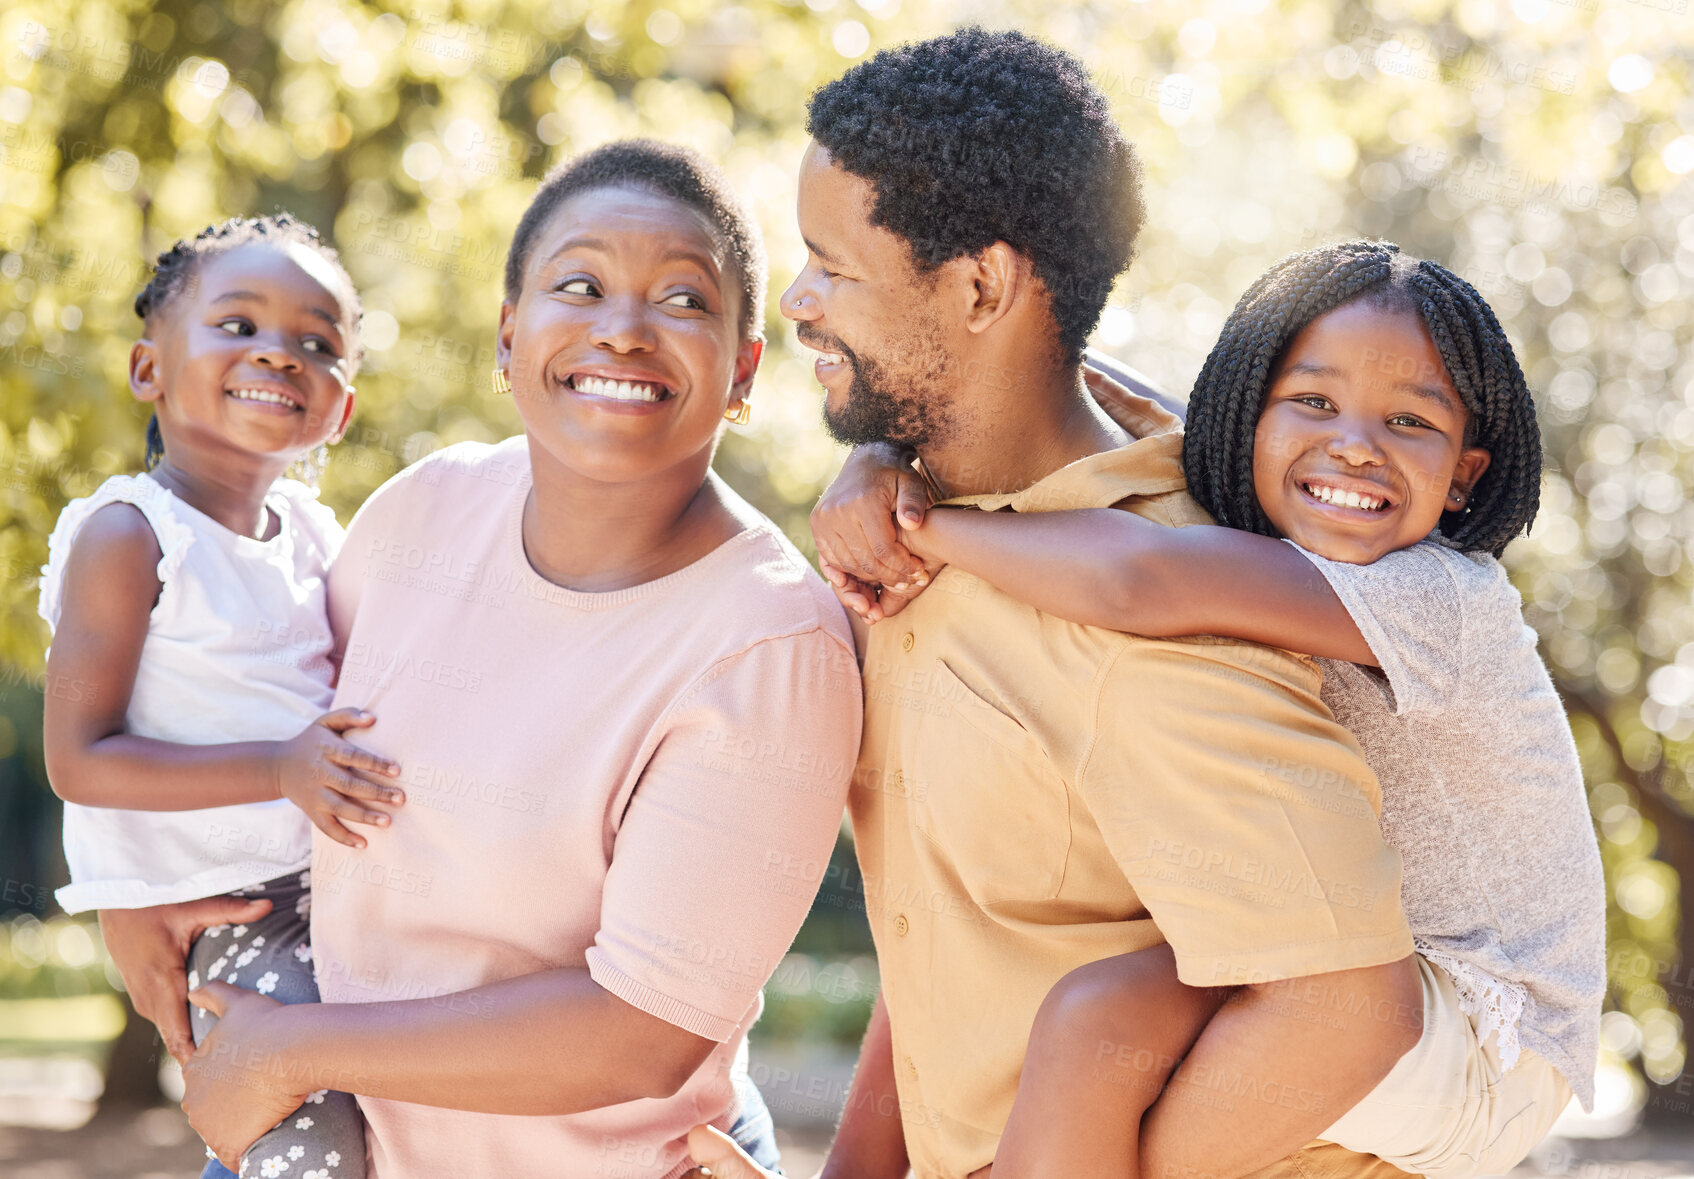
{"points": [[549, 1043]]}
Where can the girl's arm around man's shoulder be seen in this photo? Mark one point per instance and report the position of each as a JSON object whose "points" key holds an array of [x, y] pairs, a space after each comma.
{"points": [[1112, 568]]}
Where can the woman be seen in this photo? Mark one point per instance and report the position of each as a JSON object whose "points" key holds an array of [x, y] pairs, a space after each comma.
{"points": [[626, 712]]}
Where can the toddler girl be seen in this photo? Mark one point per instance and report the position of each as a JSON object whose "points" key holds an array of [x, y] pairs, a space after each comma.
{"points": [[191, 598]]}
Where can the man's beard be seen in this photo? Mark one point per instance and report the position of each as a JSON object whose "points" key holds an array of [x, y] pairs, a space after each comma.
{"points": [[907, 407]]}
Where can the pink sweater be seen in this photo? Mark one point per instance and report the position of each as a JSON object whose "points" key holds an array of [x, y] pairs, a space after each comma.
{"points": [[647, 781]]}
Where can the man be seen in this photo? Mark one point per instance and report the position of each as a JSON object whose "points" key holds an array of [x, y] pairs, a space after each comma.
{"points": [[1033, 795]]}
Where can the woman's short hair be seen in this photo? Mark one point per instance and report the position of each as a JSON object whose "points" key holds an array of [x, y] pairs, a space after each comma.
{"points": [[668, 170]]}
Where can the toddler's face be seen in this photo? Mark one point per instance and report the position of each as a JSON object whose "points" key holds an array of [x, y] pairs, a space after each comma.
{"points": [[1360, 445], [625, 347], [253, 355]]}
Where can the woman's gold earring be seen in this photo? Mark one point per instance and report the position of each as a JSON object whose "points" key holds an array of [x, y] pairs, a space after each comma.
{"points": [[502, 383], [741, 415]]}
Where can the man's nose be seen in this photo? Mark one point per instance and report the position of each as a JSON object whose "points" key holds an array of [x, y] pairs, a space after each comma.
{"points": [[798, 302]]}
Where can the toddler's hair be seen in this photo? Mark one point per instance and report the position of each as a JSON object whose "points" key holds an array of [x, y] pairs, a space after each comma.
{"points": [[1229, 395], [179, 263], [668, 170]]}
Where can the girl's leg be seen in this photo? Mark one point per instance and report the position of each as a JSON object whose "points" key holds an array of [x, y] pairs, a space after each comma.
{"points": [[1104, 1041], [1276, 1066], [1450, 1109], [325, 1137]]}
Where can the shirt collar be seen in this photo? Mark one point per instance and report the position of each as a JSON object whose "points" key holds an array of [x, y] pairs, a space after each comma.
{"points": [[1150, 464]]}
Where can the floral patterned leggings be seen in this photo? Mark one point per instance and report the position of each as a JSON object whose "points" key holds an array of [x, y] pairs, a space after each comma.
{"points": [[325, 1137]]}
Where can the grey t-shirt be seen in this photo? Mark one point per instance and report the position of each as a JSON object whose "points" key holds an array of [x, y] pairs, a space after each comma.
{"points": [[1482, 796]]}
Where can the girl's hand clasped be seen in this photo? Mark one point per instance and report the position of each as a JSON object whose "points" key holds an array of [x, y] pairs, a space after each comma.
{"points": [[325, 775], [870, 563]]}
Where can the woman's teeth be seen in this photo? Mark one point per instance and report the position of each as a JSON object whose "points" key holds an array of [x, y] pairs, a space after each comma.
{"points": [[619, 390], [1344, 499], [262, 395]]}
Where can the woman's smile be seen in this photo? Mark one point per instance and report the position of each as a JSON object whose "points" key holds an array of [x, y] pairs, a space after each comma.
{"points": [[620, 390]]}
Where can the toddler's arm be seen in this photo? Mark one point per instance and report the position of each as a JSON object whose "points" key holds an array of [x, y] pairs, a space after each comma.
{"points": [[110, 588]]}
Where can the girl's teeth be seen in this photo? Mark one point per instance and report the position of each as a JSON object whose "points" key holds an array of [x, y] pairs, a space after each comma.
{"points": [[1345, 499], [618, 390], [261, 395]]}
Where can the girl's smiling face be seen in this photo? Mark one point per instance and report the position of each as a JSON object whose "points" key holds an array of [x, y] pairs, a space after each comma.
{"points": [[1360, 446], [625, 346], [251, 360]]}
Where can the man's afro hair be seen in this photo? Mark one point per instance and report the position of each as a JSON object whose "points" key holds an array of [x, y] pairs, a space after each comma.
{"points": [[981, 136]]}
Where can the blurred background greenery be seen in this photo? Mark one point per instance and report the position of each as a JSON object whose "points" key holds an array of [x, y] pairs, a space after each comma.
{"points": [[1543, 149]]}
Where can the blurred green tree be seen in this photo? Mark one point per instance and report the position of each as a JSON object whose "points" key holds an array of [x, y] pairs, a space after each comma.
{"points": [[1543, 149]]}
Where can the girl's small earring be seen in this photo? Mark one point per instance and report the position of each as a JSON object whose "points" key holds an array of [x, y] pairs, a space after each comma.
{"points": [[502, 383], [741, 415]]}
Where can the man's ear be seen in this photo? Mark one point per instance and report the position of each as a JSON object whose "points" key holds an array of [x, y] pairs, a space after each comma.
{"points": [[747, 358], [994, 280], [144, 372], [1473, 463]]}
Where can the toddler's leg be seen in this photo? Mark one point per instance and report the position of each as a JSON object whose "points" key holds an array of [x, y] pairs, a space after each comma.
{"points": [[1104, 1041], [325, 1137]]}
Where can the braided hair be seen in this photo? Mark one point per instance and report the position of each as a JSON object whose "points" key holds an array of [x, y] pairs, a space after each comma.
{"points": [[177, 265], [1229, 394]]}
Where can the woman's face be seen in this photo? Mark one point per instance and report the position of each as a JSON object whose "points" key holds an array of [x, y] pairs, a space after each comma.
{"points": [[625, 346]]}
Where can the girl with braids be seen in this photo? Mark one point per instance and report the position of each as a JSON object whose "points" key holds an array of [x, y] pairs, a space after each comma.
{"points": [[193, 744], [1363, 433]]}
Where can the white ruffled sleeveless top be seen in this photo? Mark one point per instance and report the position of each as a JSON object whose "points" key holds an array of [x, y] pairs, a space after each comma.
{"points": [[237, 649]]}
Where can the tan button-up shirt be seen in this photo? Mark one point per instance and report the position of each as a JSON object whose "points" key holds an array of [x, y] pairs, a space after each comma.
{"points": [[1033, 795]]}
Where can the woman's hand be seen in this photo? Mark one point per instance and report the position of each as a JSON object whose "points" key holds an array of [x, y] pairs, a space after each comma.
{"points": [[859, 547], [239, 1083], [150, 949], [315, 772], [716, 1154]]}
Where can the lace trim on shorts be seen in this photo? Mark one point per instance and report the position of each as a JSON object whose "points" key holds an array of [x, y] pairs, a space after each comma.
{"points": [[1494, 1007]]}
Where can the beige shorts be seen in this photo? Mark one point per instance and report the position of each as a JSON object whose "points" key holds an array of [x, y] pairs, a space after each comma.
{"points": [[1447, 1109]]}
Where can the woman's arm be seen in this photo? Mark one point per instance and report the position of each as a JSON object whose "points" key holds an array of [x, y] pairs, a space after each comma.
{"points": [[1110, 568], [110, 588], [549, 1043], [871, 1140]]}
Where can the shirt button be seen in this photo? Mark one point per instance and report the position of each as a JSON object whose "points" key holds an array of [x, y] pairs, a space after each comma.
{"points": [[901, 925], [906, 641]]}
